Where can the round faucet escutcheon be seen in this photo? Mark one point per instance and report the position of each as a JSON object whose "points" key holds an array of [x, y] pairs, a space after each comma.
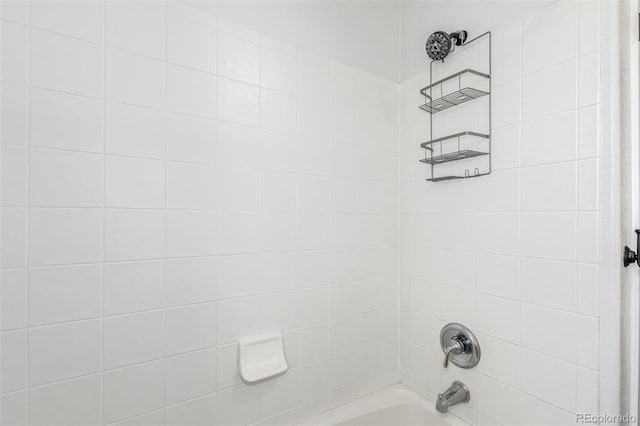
{"points": [[459, 345]]}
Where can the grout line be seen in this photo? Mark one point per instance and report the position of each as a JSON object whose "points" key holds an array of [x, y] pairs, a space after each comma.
{"points": [[28, 213], [165, 211], [104, 202]]}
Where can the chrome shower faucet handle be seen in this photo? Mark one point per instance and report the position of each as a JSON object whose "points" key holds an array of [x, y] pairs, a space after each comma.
{"points": [[459, 345]]}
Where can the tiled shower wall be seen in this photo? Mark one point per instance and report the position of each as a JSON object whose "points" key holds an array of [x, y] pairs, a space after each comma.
{"points": [[170, 184], [513, 255]]}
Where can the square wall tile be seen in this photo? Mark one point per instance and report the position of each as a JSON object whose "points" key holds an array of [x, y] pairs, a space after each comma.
{"points": [[133, 338], [15, 10], [133, 390], [73, 402], [238, 146], [548, 235], [133, 286], [238, 59], [540, 31], [237, 275], [238, 102], [13, 176], [549, 140], [136, 28], [190, 375], [135, 131], [134, 234], [191, 233], [13, 113], [492, 312], [59, 236], [549, 379], [588, 237], [536, 318], [65, 179], [14, 359], [238, 232], [501, 361], [65, 293], [191, 92], [13, 236], [343, 108], [83, 20], [191, 139], [14, 52], [488, 401], [192, 280], [238, 189], [65, 351], [588, 128], [190, 44], [589, 23], [550, 283], [507, 54], [66, 64], [276, 232], [553, 90], [14, 405], [499, 275], [588, 289], [196, 411], [190, 328], [589, 80], [277, 111], [589, 333], [13, 299], [506, 104], [134, 182], [278, 71], [191, 186], [498, 233], [134, 79], [314, 157], [278, 151], [535, 184], [588, 181], [313, 95], [59, 120]]}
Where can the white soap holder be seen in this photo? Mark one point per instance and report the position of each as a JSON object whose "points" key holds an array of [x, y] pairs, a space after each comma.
{"points": [[261, 358]]}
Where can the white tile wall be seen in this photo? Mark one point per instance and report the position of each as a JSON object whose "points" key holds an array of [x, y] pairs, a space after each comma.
{"points": [[527, 233], [172, 183]]}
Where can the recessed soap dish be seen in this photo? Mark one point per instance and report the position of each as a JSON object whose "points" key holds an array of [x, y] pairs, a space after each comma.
{"points": [[261, 358]]}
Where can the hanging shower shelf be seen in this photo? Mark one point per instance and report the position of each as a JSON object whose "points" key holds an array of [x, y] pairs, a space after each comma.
{"points": [[453, 98], [453, 90]]}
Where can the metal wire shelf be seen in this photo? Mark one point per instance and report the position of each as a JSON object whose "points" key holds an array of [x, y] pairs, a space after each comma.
{"points": [[453, 156], [454, 136], [452, 99]]}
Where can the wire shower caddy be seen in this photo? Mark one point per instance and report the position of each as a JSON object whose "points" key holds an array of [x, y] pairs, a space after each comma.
{"points": [[435, 152]]}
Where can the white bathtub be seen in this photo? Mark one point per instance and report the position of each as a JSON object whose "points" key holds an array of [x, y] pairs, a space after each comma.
{"points": [[394, 406]]}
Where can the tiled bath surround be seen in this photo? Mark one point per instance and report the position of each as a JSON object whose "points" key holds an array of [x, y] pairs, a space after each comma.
{"points": [[172, 183], [513, 255]]}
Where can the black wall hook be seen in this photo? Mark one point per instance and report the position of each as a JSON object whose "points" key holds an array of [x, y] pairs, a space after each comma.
{"points": [[631, 256]]}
